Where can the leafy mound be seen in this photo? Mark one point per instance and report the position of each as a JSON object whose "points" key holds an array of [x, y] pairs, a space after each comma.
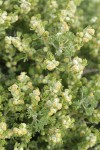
{"points": [[49, 74]]}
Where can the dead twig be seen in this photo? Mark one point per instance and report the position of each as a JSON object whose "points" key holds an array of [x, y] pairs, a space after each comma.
{"points": [[87, 71]]}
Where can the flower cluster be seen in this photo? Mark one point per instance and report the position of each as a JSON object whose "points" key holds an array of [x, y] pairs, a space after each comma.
{"points": [[54, 106], [55, 136], [36, 24], [50, 65], [87, 35], [17, 90], [25, 6], [6, 19], [78, 66], [67, 122], [3, 128], [21, 130], [67, 98]]}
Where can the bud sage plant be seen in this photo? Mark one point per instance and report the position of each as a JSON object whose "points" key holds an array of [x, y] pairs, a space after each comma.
{"points": [[49, 74]]}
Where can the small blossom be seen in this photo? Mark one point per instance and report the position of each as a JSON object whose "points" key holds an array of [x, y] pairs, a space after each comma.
{"points": [[23, 77], [57, 87], [3, 17], [55, 137], [3, 126], [51, 65], [25, 6]]}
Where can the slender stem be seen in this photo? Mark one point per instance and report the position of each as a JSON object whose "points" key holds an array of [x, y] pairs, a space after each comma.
{"points": [[87, 71]]}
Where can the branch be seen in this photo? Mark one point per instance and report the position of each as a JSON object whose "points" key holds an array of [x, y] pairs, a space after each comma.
{"points": [[87, 71]]}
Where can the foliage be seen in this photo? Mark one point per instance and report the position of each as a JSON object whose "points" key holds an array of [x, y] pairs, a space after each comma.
{"points": [[49, 74]]}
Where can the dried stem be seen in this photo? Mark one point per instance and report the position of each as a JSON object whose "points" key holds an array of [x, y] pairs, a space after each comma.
{"points": [[87, 71]]}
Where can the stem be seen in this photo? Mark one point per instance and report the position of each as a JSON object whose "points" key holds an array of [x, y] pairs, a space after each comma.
{"points": [[87, 71]]}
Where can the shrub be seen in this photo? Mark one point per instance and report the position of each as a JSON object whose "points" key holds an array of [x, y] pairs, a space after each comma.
{"points": [[49, 74]]}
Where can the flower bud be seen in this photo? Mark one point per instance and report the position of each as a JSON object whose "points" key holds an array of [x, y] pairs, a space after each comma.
{"points": [[91, 31]]}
